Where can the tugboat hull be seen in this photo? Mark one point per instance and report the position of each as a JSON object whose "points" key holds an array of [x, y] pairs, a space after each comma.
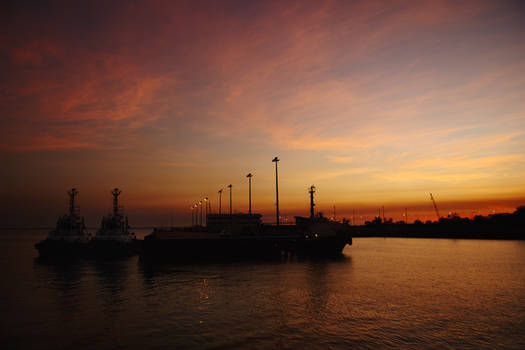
{"points": [[61, 249], [112, 248]]}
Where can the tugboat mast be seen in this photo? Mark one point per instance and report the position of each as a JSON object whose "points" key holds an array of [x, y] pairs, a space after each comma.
{"points": [[72, 195], [116, 192], [312, 191]]}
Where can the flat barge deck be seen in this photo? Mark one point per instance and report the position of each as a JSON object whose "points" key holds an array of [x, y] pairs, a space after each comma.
{"points": [[248, 240]]}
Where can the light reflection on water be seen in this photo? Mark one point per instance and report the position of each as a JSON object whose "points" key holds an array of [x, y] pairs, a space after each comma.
{"points": [[403, 293]]}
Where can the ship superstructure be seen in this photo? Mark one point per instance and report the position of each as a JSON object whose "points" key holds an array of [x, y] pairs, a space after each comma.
{"points": [[114, 237], [70, 236], [115, 227], [70, 227]]}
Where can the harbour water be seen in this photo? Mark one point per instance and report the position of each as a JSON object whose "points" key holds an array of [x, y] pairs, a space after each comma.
{"points": [[382, 293]]}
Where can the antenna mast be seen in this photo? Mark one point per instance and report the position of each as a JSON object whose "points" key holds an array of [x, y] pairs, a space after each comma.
{"points": [[116, 192], [312, 204], [72, 195]]}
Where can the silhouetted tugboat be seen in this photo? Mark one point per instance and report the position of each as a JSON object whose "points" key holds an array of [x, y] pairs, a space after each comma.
{"points": [[70, 238], [114, 239]]}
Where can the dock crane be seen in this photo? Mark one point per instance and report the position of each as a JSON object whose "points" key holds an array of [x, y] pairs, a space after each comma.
{"points": [[435, 206]]}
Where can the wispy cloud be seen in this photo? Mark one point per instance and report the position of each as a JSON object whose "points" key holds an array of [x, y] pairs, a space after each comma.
{"points": [[404, 93]]}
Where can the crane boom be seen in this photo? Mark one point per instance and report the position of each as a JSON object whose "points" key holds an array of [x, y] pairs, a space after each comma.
{"points": [[435, 206]]}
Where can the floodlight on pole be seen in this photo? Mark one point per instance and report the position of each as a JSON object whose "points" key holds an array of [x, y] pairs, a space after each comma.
{"points": [[220, 199], [276, 192], [206, 202], [249, 176], [230, 187], [200, 203]]}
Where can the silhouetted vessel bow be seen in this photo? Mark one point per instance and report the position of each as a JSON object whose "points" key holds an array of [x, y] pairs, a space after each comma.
{"points": [[114, 238], [69, 238]]}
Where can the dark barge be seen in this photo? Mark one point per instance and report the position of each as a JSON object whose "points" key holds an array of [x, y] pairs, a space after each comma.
{"points": [[243, 236]]}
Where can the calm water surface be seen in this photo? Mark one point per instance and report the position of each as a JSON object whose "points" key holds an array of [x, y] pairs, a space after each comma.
{"points": [[387, 293]]}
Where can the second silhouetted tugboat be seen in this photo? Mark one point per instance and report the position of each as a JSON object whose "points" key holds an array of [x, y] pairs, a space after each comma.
{"points": [[114, 239]]}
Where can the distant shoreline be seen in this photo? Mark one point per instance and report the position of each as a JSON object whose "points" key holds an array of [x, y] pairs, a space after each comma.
{"points": [[480, 236]]}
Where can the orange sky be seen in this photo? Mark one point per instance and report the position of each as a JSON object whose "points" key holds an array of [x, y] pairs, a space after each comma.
{"points": [[376, 103]]}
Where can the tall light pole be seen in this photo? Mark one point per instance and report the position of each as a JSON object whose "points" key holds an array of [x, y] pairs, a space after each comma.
{"points": [[196, 205], [200, 203], [220, 200], [276, 192], [191, 208], [206, 202], [230, 187], [249, 176]]}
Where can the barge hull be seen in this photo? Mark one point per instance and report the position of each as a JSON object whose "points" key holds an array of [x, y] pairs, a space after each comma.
{"points": [[239, 247]]}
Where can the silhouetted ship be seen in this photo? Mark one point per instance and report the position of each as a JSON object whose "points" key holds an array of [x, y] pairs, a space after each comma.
{"points": [[69, 238], [234, 236], [114, 238]]}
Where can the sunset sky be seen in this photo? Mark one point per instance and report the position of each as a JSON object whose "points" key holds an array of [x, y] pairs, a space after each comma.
{"points": [[376, 103]]}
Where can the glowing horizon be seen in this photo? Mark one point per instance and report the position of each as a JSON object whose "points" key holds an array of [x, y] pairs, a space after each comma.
{"points": [[375, 104]]}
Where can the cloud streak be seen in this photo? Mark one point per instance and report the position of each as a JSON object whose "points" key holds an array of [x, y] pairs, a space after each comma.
{"points": [[409, 93]]}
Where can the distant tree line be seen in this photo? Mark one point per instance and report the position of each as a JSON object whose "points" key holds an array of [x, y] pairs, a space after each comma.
{"points": [[503, 225]]}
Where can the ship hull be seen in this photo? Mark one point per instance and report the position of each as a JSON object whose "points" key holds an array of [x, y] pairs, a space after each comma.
{"points": [[208, 249], [98, 248], [240, 247], [61, 249], [326, 246]]}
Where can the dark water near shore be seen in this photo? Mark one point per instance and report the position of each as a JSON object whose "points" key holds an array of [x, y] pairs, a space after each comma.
{"points": [[395, 292]]}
